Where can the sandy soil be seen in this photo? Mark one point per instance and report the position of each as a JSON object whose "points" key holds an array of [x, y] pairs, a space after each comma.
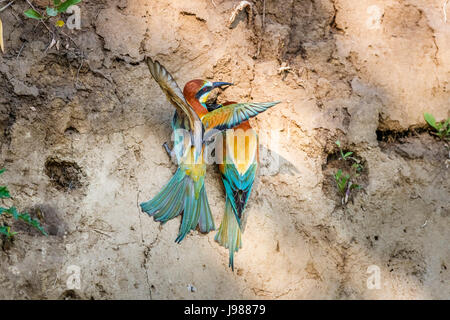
{"points": [[81, 130]]}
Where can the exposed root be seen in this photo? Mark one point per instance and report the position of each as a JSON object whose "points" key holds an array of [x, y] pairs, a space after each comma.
{"points": [[264, 16], [2, 48], [284, 68], [444, 8], [241, 6]]}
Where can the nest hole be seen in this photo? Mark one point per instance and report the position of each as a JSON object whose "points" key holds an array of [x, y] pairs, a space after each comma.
{"points": [[63, 174]]}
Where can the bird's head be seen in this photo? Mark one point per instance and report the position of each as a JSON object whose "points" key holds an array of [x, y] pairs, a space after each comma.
{"points": [[200, 89]]}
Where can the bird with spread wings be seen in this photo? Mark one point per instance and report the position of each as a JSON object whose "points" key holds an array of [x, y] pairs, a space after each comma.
{"points": [[185, 192]]}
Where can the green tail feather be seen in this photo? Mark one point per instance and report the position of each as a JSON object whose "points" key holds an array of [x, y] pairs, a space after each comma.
{"points": [[163, 206], [206, 221], [229, 233], [190, 213], [177, 196]]}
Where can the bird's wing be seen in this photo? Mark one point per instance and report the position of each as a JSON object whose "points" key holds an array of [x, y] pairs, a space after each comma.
{"points": [[241, 148], [171, 89], [232, 115], [238, 187], [240, 166]]}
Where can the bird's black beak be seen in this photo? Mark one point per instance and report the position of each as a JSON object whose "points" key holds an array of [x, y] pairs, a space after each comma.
{"points": [[221, 84], [207, 89]]}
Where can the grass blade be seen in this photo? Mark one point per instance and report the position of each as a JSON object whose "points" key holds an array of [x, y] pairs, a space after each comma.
{"points": [[429, 118], [33, 14]]}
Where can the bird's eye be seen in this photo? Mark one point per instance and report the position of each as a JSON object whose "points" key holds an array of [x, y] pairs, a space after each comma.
{"points": [[203, 91]]}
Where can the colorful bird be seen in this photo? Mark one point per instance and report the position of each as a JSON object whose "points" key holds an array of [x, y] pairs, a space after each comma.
{"points": [[185, 192], [196, 93], [238, 169]]}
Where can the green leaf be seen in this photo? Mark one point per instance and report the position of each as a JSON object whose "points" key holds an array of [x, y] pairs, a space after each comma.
{"points": [[445, 127], [56, 2], [13, 211], [2, 170], [338, 174], [4, 192], [431, 120], [338, 143], [348, 154], [355, 186], [341, 181], [342, 185], [52, 12], [5, 230], [33, 14], [65, 5], [25, 217]]}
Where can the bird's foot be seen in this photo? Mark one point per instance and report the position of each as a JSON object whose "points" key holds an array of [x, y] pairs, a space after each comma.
{"points": [[166, 147]]}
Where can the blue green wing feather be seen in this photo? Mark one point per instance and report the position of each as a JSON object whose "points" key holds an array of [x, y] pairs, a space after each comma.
{"points": [[230, 116], [238, 187]]}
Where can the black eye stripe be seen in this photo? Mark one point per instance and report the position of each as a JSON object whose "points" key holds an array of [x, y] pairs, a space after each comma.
{"points": [[202, 91]]}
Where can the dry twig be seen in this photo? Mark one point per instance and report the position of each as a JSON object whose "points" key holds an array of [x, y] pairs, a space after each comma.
{"points": [[10, 3], [2, 48]]}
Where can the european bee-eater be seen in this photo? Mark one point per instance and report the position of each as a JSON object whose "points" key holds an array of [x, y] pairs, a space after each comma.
{"points": [[185, 192], [238, 169], [196, 93]]}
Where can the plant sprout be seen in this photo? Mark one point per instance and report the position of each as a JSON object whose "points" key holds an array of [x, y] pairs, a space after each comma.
{"points": [[12, 211], [58, 8], [344, 181], [442, 128]]}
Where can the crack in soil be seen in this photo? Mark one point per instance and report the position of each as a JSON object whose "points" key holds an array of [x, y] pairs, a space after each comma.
{"points": [[143, 244]]}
